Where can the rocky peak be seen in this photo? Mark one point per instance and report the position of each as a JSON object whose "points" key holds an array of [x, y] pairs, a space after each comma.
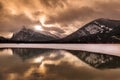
{"points": [[29, 35]]}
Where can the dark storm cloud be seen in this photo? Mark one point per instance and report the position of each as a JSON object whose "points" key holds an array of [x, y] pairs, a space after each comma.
{"points": [[109, 9], [1, 6], [71, 15], [13, 23], [100, 9], [2, 11]]}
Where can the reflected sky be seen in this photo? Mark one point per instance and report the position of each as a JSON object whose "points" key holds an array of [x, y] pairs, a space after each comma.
{"points": [[49, 64]]}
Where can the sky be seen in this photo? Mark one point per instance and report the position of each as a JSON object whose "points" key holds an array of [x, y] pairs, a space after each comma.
{"points": [[59, 17]]}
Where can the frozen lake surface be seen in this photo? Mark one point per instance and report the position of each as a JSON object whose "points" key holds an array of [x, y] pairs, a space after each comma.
{"points": [[112, 49]]}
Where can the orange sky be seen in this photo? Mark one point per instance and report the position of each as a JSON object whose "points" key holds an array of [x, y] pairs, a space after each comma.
{"points": [[60, 17]]}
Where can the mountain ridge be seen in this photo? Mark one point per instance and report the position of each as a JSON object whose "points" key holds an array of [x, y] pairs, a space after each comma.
{"points": [[97, 31], [29, 35]]}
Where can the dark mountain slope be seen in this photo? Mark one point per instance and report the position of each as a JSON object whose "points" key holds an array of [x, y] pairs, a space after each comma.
{"points": [[97, 31], [2, 39]]}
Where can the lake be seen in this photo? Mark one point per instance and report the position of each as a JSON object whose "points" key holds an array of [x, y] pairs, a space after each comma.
{"points": [[57, 64]]}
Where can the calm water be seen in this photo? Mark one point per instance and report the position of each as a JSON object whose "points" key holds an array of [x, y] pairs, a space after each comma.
{"points": [[50, 64]]}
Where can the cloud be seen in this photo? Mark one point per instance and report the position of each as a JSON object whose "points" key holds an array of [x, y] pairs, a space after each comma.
{"points": [[98, 9], [72, 15], [53, 3], [12, 23], [109, 9]]}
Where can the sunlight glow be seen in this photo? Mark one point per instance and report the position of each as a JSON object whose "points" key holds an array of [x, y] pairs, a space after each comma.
{"points": [[10, 35], [42, 21], [38, 27], [12, 11]]}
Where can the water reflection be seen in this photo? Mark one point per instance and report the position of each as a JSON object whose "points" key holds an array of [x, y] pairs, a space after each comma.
{"points": [[49, 64]]}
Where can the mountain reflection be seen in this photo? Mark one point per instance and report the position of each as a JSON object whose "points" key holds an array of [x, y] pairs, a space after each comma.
{"points": [[50, 64]]}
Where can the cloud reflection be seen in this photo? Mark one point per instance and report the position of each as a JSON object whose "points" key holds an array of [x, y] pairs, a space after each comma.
{"points": [[54, 65]]}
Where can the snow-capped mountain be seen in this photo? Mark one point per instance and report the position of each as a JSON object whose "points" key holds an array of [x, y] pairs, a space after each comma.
{"points": [[28, 35], [97, 31]]}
